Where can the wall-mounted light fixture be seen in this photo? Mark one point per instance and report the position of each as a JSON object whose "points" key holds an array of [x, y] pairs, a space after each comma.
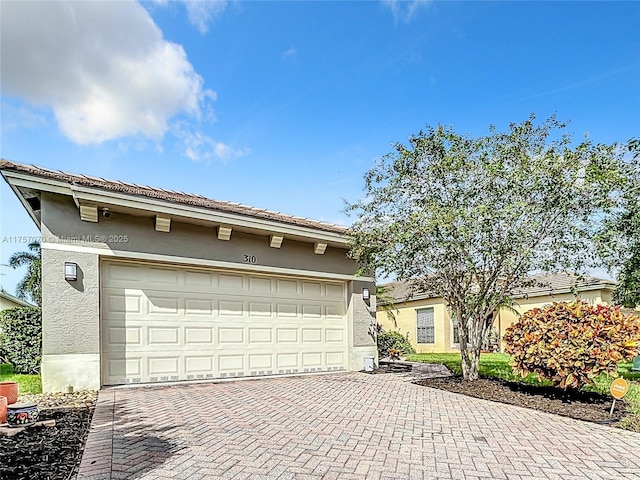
{"points": [[365, 294], [70, 271]]}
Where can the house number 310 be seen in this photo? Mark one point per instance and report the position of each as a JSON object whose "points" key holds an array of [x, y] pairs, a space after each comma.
{"points": [[249, 259]]}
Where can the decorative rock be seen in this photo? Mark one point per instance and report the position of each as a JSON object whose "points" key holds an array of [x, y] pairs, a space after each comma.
{"points": [[80, 398], [22, 414]]}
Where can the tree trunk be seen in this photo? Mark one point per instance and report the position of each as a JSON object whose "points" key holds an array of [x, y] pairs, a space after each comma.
{"points": [[475, 364], [470, 349]]}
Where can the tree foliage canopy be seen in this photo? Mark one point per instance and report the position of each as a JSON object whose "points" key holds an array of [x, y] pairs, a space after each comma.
{"points": [[620, 237], [469, 218]]}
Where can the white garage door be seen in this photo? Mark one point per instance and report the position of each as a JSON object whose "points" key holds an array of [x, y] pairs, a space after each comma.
{"points": [[162, 323]]}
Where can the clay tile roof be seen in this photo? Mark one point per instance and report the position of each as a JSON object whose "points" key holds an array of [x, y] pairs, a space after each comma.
{"points": [[541, 284], [170, 196]]}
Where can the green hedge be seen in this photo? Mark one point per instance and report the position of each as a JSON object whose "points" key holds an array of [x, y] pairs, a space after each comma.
{"points": [[396, 340], [21, 338], [6, 369]]}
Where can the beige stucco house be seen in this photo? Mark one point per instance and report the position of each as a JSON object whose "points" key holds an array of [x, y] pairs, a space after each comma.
{"points": [[148, 285], [10, 301], [426, 319]]}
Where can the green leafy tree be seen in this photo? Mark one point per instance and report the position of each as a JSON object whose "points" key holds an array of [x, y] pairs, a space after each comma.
{"points": [[469, 218], [31, 285], [620, 237], [386, 303]]}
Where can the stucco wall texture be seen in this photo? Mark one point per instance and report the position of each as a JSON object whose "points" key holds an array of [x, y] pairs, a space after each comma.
{"points": [[405, 318], [71, 310], [60, 220]]}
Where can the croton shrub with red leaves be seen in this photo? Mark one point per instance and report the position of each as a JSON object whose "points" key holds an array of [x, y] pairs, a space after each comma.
{"points": [[572, 343]]}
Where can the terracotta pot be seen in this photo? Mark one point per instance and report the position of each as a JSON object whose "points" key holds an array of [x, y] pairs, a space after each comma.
{"points": [[9, 390], [3, 409], [22, 414]]}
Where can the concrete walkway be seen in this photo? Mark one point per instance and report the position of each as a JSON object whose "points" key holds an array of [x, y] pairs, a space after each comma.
{"points": [[341, 426]]}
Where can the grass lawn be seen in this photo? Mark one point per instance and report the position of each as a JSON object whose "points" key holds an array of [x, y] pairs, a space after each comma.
{"points": [[26, 383], [496, 365]]}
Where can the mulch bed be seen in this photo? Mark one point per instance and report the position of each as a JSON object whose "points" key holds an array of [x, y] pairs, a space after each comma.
{"points": [[48, 453], [588, 406]]}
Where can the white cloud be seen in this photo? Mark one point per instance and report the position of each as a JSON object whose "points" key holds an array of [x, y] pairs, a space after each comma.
{"points": [[404, 10], [199, 146], [102, 67], [203, 12]]}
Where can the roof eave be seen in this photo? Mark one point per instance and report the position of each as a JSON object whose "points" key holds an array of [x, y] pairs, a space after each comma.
{"points": [[152, 205]]}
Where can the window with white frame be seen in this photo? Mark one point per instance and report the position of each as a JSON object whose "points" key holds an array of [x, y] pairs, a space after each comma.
{"points": [[455, 336], [426, 325]]}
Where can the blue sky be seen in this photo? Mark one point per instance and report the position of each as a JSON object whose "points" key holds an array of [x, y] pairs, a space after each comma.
{"points": [[286, 105]]}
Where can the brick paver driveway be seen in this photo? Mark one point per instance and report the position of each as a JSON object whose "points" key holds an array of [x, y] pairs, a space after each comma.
{"points": [[347, 426]]}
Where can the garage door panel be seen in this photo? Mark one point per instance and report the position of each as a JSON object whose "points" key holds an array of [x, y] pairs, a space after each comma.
{"points": [[311, 335], [286, 287], [286, 310], [126, 273], [260, 285], [312, 359], [163, 305], [120, 302], [260, 309], [260, 361], [335, 291], [260, 335], [287, 360], [335, 311], [312, 289], [234, 283], [121, 336], [168, 364], [198, 336], [198, 364], [334, 358], [121, 368], [231, 363], [312, 311], [287, 335], [199, 306], [230, 335], [334, 335], [200, 279], [174, 323], [163, 336], [164, 276], [231, 308]]}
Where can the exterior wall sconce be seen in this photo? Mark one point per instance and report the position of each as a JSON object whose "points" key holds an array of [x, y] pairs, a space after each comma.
{"points": [[70, 271], [365, 294]]}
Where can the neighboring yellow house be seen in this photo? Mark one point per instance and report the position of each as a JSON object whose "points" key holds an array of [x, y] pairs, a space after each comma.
{"points": [[426, 319], [9, 301]]}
